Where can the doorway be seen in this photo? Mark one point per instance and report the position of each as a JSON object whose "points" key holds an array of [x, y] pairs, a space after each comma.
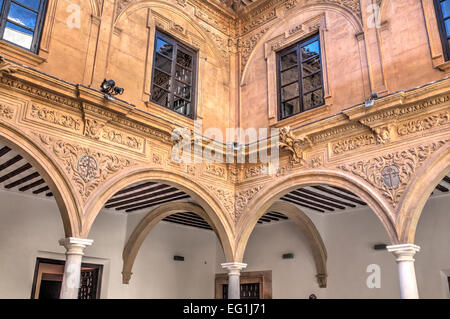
{"points": [[48, 277]]}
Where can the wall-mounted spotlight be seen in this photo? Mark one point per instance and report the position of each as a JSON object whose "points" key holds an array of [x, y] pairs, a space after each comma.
{"points": [[110, 89], [371, 100], [236, 146]]}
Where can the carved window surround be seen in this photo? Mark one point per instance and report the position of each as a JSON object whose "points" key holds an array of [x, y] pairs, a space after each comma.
{"points": [[293, 35], [434, 37], [156, 20]]}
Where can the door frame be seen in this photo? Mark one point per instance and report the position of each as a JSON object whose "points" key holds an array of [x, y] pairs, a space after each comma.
{"points": [[264, 278], [42, 260]]}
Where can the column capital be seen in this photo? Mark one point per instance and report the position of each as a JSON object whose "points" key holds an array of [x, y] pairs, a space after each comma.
{"points": [[234, 268], [404, 252], [75, 246]]}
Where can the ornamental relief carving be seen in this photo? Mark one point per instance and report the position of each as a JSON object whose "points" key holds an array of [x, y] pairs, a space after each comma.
{"points": [[215, 170], [122, 139], [391, 173], [39, 93], [87, 168], [353, 143], [405, 110], [242, 199], [43, 114], [426, 123], [225, 197], [235, 204], [6, 111], [7, 67], [295, 145]]}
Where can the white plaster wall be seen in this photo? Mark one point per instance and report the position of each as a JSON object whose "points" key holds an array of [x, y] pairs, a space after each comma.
{"points": [[31, 227], [157, 275]]}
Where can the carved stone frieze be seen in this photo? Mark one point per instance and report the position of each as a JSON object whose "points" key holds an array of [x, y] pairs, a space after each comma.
{"points": [[256, 170], [391, 173], [93, 128], [215, 170], [122, 138], [55, 117], [39, 92], [353, 143], [87, 168], [423, 124], [397, 112]]}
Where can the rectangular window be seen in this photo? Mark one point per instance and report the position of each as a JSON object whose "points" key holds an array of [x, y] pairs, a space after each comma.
{"points": [[443, 18], [299, 77], [21, 22], [174, 75]]}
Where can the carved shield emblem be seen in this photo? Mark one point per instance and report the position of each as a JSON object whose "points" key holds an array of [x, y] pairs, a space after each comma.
{"points": [[87, 167], [390, 176]]}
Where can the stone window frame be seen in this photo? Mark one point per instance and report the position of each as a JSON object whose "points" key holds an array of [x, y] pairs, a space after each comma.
{"points": [[291, 36], [157, 21], [30, 57], [437, 50]]}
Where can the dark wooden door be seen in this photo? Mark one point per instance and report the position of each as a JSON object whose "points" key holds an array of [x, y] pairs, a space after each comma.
{"points": [[248, 291], [89, 284]]}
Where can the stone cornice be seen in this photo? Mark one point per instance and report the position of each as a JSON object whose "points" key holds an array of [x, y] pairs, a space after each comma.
{"points": [[394, 108]]}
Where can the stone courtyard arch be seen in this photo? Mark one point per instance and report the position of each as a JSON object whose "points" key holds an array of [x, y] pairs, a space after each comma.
{"points": [[152, 218], [210, 208], [419, 191], [261, 203], [56, 180]]}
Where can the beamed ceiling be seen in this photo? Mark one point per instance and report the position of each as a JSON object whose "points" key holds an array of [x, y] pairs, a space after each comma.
{"points": [[16, 174]]}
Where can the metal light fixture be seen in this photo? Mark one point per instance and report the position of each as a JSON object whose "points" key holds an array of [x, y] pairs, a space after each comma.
{"points": [[236, 146], [110, 89], [371, 100]]}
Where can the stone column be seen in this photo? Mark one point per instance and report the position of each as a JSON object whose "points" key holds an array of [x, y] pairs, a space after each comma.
{"points": [[72, 270], [404, 254], [234, 273]]}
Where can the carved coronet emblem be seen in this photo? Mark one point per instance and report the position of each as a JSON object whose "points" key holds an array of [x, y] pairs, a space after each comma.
{"points": [[87, 167]]}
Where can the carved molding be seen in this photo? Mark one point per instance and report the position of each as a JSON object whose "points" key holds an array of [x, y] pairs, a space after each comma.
{"points": [[55, 117], [295, 145], [402, 166], [353, 143], [423, 124], [6, 111], [7, 67], [225, 197], [88, 168], [242, 199]]}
